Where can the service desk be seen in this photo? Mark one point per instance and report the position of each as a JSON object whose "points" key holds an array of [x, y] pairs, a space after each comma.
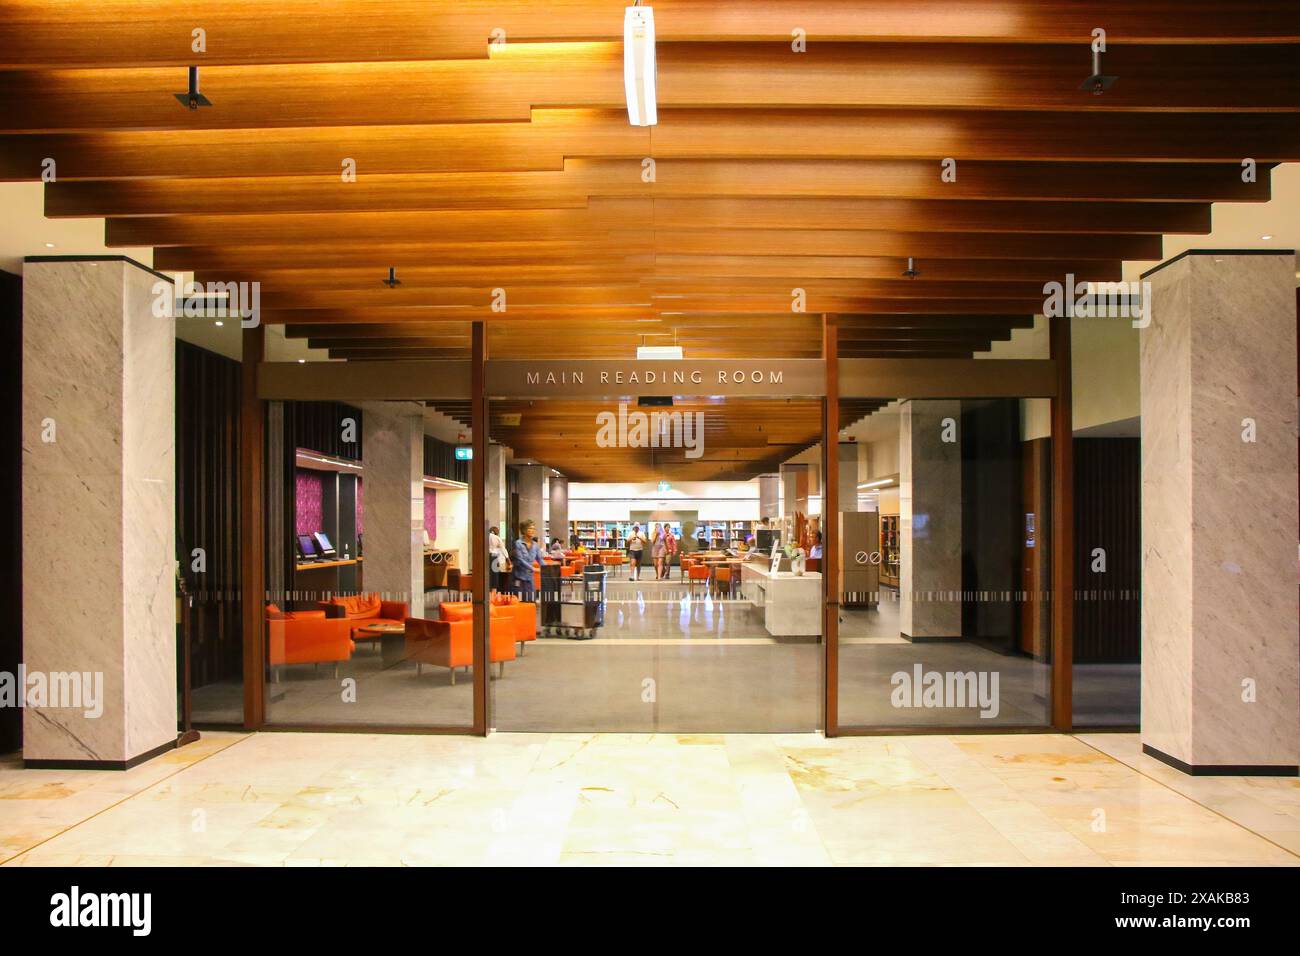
{"points": [[791, 603]]}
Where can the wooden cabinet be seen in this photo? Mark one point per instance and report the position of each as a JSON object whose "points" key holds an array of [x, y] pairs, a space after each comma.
{"points": [[889, 550]]}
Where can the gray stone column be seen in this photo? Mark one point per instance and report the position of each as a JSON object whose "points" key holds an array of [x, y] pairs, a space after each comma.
{"points": [[99, 504], [929, 519], [848, 478], [1220, 684], [393, 472], [559, 517], [769, 496], [532, 494]]}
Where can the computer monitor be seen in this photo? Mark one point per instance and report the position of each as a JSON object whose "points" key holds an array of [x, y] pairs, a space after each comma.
{"points": [[323, 544], [307, 547]]}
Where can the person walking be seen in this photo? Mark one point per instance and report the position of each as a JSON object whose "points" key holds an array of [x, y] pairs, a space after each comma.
{"points": [[670, 551], [500, 559], [527, 559], [635, 545], [657, 551]]}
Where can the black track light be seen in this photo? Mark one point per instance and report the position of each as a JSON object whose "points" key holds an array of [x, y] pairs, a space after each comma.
{"points": [[392, 281], [911, 272], [1098, 83], [193, 99]]}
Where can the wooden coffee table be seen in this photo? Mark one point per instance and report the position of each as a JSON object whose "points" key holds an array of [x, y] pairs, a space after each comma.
{"points": [[391, 638]]}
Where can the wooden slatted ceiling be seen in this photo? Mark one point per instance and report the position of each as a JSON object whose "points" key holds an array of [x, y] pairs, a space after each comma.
{"points": [[485, 167]]}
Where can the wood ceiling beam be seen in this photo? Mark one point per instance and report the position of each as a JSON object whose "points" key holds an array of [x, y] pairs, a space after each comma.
{"points": [[750, 244], [698, 216], [583, 180], [521, 76], [34, 33]]}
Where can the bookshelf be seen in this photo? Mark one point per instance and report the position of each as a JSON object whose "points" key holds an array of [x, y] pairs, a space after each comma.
{"points": [[889, 550]]}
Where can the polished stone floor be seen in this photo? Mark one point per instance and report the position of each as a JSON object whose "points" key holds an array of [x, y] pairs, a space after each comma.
{"points": [[664, 799], [669, 660]]}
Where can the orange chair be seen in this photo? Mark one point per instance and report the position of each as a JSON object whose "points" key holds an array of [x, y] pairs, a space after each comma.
{"points": [[363, 610], [306, 637], [450, 642], [723, 579], [523, 613], [685, 564], [525, 616], [695, 573]]}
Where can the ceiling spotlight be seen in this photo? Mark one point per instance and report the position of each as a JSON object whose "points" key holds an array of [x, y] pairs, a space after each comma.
{"points": [[193, 99], [302, 361], [1098, 83], [911, 272], [49, 245], [392, 281], [220, 323], [1266, 238], [639, 65]]}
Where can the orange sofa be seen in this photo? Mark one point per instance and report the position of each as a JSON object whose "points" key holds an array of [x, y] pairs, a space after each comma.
{"points": [[306, 637], [449, 642], [363, 610]]}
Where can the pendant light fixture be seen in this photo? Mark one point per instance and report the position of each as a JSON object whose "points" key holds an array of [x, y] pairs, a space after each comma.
{"points": [[639, 65]]}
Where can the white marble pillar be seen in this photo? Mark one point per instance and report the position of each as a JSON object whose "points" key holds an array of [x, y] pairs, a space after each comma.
{"points": [[393, 470], [1220, 684], [929, 519], [494, 508], [99, 503]]}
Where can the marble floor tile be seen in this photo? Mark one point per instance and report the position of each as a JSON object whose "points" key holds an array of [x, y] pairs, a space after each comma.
{"points": [[619, 799]]}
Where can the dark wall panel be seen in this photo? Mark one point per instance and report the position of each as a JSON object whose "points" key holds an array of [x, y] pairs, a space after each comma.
{"points": [[320, 426], [991, 520], [207, 508], [440, 461], [1107, 515]]}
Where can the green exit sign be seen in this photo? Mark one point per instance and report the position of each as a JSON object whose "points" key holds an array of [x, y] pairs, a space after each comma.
{"points": [[464, 453]]}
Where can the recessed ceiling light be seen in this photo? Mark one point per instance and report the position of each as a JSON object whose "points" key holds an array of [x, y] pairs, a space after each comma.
{"points": [[49, 245], [302, 361], [220, 323], [1266, 238]]}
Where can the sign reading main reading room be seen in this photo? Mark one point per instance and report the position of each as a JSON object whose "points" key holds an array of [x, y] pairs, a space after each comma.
{"points": [[731, 377]]}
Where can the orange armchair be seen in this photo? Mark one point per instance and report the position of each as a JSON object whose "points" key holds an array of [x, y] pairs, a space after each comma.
{"points": [[306, 637], [450, 642], [363, 610], [524, 614], [697, 572]]}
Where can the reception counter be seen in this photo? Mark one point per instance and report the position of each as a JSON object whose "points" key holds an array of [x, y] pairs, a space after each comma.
{"points": [[791, 604]]}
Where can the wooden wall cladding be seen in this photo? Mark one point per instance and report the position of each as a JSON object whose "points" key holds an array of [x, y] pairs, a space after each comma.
{"points": [[207, 508], [1107, 515]]}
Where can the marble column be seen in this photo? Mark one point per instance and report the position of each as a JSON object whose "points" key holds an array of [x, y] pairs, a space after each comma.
{"points": [[769, 496], [848, 477], [1220, 684], [532, 498], [559, 514], [929, 519], [99, 504], [393, 472], [494, 508]]}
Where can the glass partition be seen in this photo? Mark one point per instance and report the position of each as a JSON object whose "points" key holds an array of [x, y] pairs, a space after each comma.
{"points": [[944, 537], [648, 568], [369, 565]]}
